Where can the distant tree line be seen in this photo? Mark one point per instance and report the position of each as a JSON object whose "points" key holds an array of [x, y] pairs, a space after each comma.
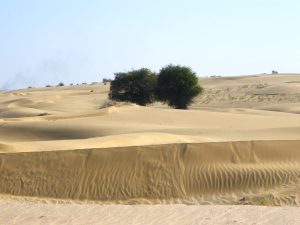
{"points": [[174, 85]]}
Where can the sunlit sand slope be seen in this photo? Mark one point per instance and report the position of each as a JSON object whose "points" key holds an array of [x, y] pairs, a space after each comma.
{"points": [[162, 172], [279, 92], [133, 125]]}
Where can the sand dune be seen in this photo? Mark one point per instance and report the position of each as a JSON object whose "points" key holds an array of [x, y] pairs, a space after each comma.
{"points": [[254, 91], [238, 144], [174, 172], [108, 125]]}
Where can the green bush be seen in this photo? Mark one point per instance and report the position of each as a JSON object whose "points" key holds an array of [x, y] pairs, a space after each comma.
{"points": [[136, 86], [177, 86]]}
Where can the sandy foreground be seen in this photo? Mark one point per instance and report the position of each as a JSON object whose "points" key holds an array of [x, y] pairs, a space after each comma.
{"points": [[237, 145], [34, 213]]}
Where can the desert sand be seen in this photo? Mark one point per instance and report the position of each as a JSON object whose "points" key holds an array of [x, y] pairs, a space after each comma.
{"points": [[91, 214], [237, 145]]}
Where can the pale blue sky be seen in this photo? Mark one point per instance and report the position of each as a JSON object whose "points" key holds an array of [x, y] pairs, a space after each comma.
{"points": [[47, 41]]}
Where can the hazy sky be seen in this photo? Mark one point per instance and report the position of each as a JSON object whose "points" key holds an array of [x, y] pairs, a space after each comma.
{"points": [[47, 41]]}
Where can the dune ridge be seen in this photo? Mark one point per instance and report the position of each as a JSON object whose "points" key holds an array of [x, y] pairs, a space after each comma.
{"points": [[154, 173]]}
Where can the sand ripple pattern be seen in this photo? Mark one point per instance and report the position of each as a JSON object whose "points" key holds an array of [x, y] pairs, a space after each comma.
{"points": [[151, 173]]}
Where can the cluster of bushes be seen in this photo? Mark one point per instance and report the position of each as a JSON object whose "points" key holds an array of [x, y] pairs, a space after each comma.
{"points": [[174, 85], [60, 84]]}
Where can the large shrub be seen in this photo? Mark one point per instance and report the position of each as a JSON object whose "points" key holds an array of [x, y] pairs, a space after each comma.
{"points": [[177, 86], [136, 86]]}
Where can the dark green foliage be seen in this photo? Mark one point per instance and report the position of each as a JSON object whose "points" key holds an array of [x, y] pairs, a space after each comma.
{"points": [[136, 86], [61, 84], [105, 80], [177, 86]]}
